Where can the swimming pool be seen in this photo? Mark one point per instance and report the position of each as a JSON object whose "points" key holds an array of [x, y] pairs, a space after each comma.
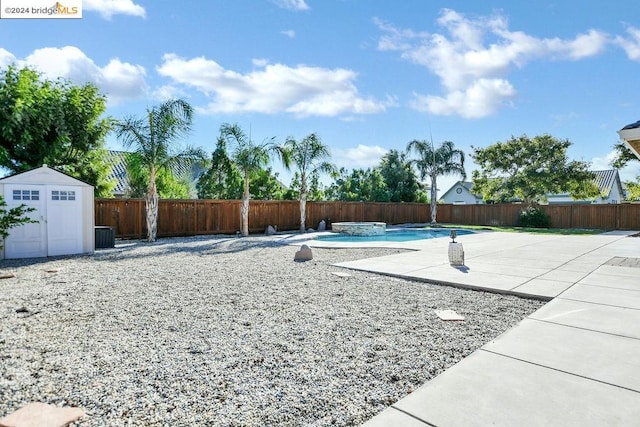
{"points": [[394, 236]]}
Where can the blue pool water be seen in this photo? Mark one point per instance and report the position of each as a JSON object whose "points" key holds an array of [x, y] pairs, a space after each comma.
{"points": [[394, 236]]}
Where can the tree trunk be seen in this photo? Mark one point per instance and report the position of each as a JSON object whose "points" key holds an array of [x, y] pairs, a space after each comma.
{"points": [[244, 209], [303, 212], [151, 205], [434, 199]]}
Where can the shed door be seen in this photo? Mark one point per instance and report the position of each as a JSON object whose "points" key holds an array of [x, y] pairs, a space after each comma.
{"points": [[64, 220], [28, 240]]}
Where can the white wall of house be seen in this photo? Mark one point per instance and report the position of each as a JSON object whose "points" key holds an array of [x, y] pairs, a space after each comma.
{"points": [[459, 195]]}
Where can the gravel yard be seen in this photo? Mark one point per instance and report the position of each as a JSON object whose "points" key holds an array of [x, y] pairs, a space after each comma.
{"points": [[229, 332]]}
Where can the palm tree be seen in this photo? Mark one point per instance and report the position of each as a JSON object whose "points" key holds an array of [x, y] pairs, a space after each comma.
{"points": [[250, 158], [310, 157], [151, 138], [445, 160]]}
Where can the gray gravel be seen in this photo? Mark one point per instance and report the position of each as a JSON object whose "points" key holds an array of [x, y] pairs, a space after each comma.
{"points": [[229, 332]]}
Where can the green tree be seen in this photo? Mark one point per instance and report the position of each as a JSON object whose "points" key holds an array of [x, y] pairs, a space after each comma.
{"points": [[400, 177], [633, 190], [12, 218], [266, 186], [170, 185], [315, 189], [249, 157], [222, 180], [530, 168], [54, 123], [359, 185], [153, 137], [310, 158], [623, 156], [434, 162]]}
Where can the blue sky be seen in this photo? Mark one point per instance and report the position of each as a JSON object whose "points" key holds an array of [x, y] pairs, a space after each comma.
{"points": [[366, 75]]}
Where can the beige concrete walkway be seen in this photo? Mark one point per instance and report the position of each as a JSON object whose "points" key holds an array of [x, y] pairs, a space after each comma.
{"points": [[574, 362]]}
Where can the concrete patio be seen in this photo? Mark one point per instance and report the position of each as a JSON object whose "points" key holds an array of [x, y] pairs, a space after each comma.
{"points": [[574, 362]]}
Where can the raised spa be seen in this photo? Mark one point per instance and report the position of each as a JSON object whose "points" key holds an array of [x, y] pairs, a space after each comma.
{"points": [[360, 228]]}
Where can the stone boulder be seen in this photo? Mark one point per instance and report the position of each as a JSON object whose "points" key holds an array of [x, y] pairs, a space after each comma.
{"points": [[304, 254], [270, 231]]}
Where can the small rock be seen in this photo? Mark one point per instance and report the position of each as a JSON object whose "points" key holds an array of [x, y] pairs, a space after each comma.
{"points": [[310, 230], [304, 254], [7, 275], [22, 310], [42, 414], [340, 274], [449, 315], [322, 226], [270, 231]]}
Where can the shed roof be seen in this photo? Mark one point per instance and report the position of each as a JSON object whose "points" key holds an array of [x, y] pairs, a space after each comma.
{"points": [[43, 175]]}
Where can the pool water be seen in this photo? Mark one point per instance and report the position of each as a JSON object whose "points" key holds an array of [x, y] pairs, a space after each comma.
{"points": [[394, 236]]}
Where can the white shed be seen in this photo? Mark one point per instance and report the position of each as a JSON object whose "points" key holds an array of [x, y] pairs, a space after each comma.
{"points": [[64, 208]]}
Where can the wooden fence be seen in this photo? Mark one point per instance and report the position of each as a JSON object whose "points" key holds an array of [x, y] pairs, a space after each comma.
{"points": [[200, 217]]}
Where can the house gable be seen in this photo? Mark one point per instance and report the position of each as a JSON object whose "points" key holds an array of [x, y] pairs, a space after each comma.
{"points": [[460, 193]]}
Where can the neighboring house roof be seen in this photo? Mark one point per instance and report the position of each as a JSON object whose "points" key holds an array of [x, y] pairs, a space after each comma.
{"points": [[118, 161], [605, 180]]}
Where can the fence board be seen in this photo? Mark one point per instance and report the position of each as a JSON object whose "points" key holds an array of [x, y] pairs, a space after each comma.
{"points": [[197, 217]]}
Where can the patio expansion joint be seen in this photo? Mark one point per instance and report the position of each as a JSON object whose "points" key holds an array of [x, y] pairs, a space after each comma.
{"points": [[597, 303], [606, 287], [427, 423], [567, 262], [583, 328], [561, 371]]}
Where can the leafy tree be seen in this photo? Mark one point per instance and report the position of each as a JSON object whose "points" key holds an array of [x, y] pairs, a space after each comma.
{"points": [[265, 185], [623, 156], [169, 185], [12, 218], [315, 189], [54, 123], [310, 157], [633, 190], [223, 179], [400, 177], [359, 185], [153, 137], [249, 157], [434, 162], [530, 168]]}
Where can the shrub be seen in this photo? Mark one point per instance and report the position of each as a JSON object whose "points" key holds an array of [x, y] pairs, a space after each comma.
{"points": [[12, 218], [535, 217]]}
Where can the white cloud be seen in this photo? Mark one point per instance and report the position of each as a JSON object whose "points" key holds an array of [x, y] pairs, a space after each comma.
{"points": [[362, 156], [6, 58], [271, 88], [631, 44], [472, 57], [289, 33], [292, 4], [478, 100], [108, 8], [119, 80]]}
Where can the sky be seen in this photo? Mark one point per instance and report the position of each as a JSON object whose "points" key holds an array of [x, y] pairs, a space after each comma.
{"points": [[366, 76]]}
